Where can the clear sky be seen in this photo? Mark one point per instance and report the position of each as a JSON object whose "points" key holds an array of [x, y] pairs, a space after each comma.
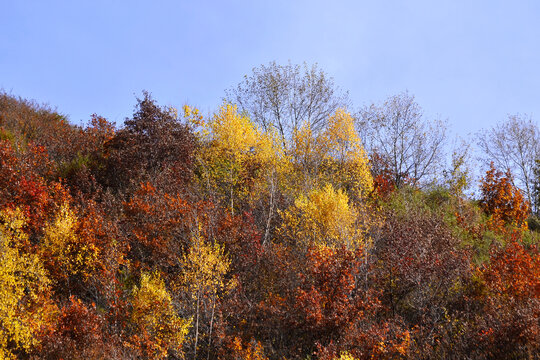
{"points": [[471, 62]]}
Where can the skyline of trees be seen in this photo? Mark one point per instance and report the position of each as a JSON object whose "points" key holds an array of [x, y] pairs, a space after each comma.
{"points": [[183, 236]]}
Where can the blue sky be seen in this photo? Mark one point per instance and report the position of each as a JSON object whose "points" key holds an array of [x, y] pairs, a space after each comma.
{"points": [[471, 62]]}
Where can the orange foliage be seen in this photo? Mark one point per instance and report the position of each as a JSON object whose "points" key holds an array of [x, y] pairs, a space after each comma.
{"points": [[160, 224], [509, 322], [515, 271], [150, 242], [78, 334], [22, 187], [242, 351], [502, 201]]}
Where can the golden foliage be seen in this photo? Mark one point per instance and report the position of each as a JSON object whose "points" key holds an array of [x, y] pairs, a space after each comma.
{"points": [[345, 356], [25, 307], [73, 254], [205, 266], [237, 152], [345, 155], [335, 155], [153, 313], [251, 351], [324, 217]]}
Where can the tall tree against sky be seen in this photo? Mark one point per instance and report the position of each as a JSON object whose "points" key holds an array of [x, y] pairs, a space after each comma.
{"points": [[410, 144], [288, 96], [514, 145]]}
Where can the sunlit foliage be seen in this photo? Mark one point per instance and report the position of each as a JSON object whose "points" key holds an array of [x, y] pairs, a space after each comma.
{"points": [[236, 153], [324, 217], [160, 328], [258, 235], [25, 308], [502, 201], [70, 254]]}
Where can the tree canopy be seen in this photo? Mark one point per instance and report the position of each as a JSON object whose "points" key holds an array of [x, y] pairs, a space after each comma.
{"points": [[280, 227]]}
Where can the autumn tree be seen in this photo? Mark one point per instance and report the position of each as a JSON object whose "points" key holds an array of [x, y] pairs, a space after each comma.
{"points": [[335, 154], [23, 185], [158, 227], [25, 121], [159, 330], [286, 97], [409, 144], [235, 152], [248, 271], [507, 304], [67, 254], [154, 142], [81, 171], [98, 237], [323, 217], [204, 267], [326, 301], [502, 201], [333, 182], [26, 309], [320, 305], [345, 160], [78, 334], [240, 165], [514, 145], [239, 350]]}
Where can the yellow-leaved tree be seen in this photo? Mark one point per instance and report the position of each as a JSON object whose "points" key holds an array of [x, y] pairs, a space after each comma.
{"points": [[66, 252], [240, 163], [204, 268], [159, 328], [234, 154], [345, 356], [333, 179], [324, 217], [346, 163], [307, 154], [25, 305], [334, 155]]}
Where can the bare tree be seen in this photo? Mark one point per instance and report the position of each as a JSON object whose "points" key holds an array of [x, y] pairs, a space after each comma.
{"points": [[514, 145], [409, 146], [288, 96]]}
